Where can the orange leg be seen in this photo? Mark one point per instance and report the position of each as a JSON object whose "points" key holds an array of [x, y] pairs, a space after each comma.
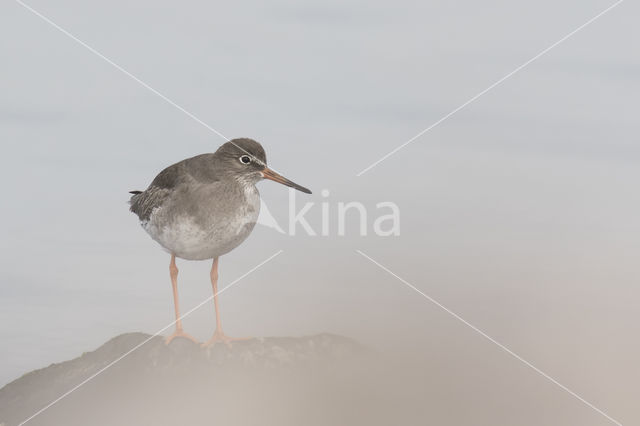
{"points": [[218, 335], [173, 270]]}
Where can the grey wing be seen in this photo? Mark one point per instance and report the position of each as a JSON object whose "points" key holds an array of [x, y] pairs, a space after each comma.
{"points": [[196, 168], [143, 203]]}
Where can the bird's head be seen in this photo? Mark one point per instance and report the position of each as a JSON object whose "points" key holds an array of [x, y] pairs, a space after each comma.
{"points": [[246, 161]]}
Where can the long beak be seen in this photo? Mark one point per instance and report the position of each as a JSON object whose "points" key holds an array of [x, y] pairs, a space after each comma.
{"points": [[267, 173]]}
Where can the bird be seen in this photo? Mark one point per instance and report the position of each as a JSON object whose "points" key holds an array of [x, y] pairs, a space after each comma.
{"points": [[202, 208]]}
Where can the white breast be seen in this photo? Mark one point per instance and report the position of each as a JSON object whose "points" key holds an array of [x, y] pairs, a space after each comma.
{"points": [[211, 235]]}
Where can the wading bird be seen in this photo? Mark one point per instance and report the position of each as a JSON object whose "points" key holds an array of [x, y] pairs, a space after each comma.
{"points": [[204, 207]]}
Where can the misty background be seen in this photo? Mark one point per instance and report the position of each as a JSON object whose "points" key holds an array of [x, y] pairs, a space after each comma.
{"points": [[519, 213]]}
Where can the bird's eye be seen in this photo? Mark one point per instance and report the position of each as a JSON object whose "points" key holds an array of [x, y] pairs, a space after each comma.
{"points": [[245, 159]]}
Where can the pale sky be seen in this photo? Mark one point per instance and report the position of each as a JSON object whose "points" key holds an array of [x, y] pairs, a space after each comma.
{"points": [[519, 213]]}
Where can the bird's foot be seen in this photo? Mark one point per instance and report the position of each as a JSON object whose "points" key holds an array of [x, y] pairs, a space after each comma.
{"points": [[180, 333], [219, 336]]}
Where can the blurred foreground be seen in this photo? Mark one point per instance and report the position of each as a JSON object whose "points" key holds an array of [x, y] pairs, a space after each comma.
{"points": [[323, 379], [259, 381]]}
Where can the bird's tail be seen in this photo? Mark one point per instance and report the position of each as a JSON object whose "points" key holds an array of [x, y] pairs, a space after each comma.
{"points": [[130, 202]]}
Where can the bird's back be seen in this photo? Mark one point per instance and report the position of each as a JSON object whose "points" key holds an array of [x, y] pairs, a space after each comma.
{"points": [[143, 203]]}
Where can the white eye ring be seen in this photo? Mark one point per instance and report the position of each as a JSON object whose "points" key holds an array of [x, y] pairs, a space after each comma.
{"points": [[245, 159]]}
